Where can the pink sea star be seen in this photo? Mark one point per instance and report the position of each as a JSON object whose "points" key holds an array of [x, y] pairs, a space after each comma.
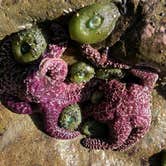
{"points": [[40, 83], [125, 108]]}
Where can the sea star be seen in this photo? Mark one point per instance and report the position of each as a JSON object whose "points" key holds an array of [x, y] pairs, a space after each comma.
{"points": [[41, 84], [125, 107], [101, 59]]}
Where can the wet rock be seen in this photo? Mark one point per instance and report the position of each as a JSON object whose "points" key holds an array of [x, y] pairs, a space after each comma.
{"points": [[17, 14], [148, 41], [22, 140]]}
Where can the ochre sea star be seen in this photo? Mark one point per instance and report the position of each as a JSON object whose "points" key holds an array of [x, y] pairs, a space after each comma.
{"points": [[40, 83], [125, 108]]}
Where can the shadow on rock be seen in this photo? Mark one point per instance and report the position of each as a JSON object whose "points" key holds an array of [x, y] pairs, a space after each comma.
{"points": [[38, 121], [156, 159], [162, 87]]}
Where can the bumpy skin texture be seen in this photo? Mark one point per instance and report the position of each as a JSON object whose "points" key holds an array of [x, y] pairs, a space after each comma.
{"points": [[101, 59], [40, 84], [125, 108]]}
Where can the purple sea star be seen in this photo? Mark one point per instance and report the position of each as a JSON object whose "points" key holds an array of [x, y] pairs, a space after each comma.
{"points": [[40, 83], [125, 108], [53, 95], [101, 59]]}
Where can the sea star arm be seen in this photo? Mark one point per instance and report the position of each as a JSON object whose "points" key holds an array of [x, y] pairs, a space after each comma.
{"points": [[141, 126], [148, 78], [119, 132], [51, 115], [94, 143], [103, 112], [17, 106], [55, 51], [101, 59]]}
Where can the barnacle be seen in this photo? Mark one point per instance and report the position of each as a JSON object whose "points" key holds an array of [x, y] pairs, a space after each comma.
{"points": [[28, 45], [94, 23], [81, 72]]}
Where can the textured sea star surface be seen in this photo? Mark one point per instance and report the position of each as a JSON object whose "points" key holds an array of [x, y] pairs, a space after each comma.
{"points": [[125, 108], [101, 59], [40, 83]]}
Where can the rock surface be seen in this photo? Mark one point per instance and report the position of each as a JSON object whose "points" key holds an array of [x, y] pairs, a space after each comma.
{"points": [[148, 41], [20, 14], [22, 141]]}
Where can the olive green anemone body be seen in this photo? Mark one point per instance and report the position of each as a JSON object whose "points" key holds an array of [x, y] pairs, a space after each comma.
{"points": [[70, 118], [94, 23], [109, 73], [28, 45], [81, 72]]}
